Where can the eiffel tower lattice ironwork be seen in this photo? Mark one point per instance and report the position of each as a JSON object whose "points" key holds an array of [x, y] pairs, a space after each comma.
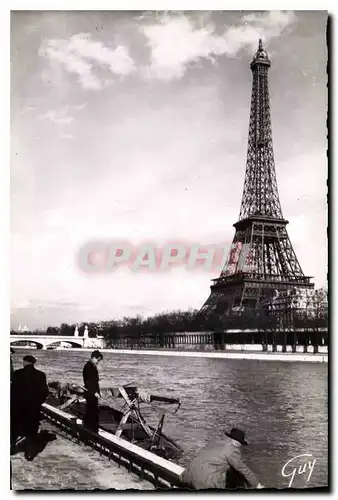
{"points": [[262, 267]]}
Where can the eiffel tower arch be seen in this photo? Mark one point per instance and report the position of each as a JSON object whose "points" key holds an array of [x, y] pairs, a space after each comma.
{"points": [[262, 269]]}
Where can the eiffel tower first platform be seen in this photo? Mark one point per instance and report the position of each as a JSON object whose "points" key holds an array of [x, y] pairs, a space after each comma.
{"points": [[262, 268]]}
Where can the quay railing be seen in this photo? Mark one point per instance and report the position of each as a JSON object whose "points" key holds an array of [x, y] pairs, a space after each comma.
{"points": [[157, 470]]}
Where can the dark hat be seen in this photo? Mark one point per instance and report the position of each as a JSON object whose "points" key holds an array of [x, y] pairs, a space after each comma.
{"points": [[12, 350], [29, 359], [237, 434], [96, 354]]}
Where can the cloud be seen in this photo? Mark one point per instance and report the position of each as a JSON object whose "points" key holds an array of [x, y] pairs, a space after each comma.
{"points": [[30, 28], [274, 21], [57, 116], [57, 52], [67, 136], [170, 60], [80, 107], [80, 53], [176, 41], [27, 109]]}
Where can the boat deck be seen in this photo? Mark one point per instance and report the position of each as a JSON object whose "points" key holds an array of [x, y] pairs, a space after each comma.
{"points": [[63, 464]]}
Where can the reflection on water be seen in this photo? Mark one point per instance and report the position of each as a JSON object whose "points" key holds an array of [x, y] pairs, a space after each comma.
{"points": [[281, 406]]}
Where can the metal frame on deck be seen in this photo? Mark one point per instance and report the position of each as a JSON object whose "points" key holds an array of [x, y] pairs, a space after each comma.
{"points": [[157, 470]]}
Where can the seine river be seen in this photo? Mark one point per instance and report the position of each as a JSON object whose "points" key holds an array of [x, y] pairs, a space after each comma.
{"points": [[282, 406]]}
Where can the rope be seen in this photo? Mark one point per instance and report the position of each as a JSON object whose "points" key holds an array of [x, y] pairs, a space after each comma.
{"points": [[159, 410], [141, 394]]}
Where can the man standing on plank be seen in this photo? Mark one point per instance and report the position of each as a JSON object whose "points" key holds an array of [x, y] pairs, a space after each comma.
{"points": [[91, 383]]}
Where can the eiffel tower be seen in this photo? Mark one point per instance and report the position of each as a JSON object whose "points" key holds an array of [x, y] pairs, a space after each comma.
{"points": [[262, 269]]}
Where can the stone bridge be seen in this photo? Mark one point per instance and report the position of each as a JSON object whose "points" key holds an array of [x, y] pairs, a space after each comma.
{"points": [[44, 341]]}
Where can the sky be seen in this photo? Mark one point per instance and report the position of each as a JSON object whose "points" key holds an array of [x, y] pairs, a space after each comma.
{"points": [[134, 126]]}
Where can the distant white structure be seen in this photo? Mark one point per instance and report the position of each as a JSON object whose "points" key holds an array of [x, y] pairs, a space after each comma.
{"points": [[86, 333], [23, 328], [76, 332]]}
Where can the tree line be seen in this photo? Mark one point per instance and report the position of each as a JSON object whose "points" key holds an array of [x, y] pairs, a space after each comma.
{"points": [[157, 328]]}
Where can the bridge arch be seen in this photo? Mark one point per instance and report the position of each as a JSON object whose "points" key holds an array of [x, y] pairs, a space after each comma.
{"points": [[59, 342], [75, 344], [22, 342]]}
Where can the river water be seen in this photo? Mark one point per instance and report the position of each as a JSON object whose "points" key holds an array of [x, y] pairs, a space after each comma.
{"points": [[282, 406]]}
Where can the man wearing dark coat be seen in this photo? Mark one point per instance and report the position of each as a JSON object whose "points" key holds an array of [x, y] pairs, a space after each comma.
{"points": [[12, 367], [219, 465], [91, 383], [28, 391]]}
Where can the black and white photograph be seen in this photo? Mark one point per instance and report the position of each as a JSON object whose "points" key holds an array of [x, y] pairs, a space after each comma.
{"points": [[169, 297]]}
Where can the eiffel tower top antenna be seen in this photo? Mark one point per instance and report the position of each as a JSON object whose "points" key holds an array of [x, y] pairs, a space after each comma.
{"points": [[261, 55]]}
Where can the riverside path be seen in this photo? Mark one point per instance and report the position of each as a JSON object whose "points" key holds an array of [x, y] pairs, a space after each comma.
{"points": [[65, 465]]}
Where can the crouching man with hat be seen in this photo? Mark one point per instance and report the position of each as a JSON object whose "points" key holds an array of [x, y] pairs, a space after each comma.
{"points": [[219, 465], [28, 391]]}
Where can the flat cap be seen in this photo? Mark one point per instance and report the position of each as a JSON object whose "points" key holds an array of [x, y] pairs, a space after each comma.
{"points": [[97, 354], [29, 359]]}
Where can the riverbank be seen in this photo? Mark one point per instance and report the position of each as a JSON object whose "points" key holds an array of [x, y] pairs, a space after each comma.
{"points": [[321, 357], [243, 355], [65, 465]]}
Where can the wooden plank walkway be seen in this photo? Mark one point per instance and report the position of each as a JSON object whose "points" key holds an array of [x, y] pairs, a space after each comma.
{"points": [[65, 465], [163, 472]]}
